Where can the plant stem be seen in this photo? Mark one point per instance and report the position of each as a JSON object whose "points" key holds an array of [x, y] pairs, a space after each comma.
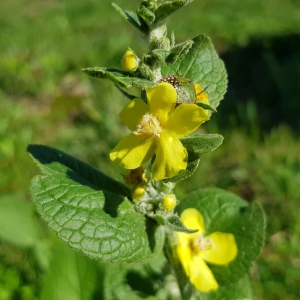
{"points": [[158, 40]]}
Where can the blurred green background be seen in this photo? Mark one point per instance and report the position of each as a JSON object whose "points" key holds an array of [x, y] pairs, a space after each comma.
{"points": [[45, 99]]}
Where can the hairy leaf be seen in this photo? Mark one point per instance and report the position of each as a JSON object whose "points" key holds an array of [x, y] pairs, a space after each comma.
{"points": [[90, 211], [201, 65], [118, 77]]}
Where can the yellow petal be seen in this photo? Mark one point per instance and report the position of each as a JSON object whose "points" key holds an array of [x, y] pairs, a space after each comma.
{"points": [[185, 119], [193, 219], [133, 113], [185, 255], [201, 276], [171, 157], [201, 95], [133, 151], [162, 99], [224, 248]]}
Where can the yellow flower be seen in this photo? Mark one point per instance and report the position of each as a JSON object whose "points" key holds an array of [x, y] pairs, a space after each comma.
{"points": [[157, 128], [195, 249]]}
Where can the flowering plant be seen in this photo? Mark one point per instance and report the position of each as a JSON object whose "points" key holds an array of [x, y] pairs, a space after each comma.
{"points": [[180, 86]]}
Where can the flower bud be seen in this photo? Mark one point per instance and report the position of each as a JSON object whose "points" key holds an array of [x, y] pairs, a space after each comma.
{"points": [[138, 193], [129, 61], [169, 201]]}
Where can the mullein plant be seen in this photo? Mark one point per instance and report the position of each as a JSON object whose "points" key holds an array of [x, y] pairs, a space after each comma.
{"points": [[211, 237]]}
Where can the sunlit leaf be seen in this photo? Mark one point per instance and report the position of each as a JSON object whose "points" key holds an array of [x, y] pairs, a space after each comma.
{"points": [[90, 211]]}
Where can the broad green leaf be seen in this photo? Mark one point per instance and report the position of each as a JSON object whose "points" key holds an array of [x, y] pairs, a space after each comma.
{"points": [[225, 212], [121, 78], [199, 144], [17, 223], [238, 290], [97, 221], [173, 222], [131, 17], [166, 8], [70, 276], [53, 161], [201, 65]]}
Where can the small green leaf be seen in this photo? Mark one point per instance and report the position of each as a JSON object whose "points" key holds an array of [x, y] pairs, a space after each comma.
{"points": [[179, 50], [206, 106], [129, 96], [161, 54], [199, 144], [192, 166], [92, 216], [131, 17], [225, 212], [196, 145], [166, 8], [119, 77], [146, 14], [201, 65], [173, 222]]}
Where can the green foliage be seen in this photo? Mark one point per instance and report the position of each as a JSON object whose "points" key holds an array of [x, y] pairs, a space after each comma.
{"points": [[19, 214], [69, 269], [201, 65], [121, 78], [196, 145], [98, 221], [34, 73]]}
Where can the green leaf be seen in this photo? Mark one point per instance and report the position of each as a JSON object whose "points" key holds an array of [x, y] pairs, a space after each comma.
{"points": [[131, 17], [119, 77], [129, 96], [17, 223], [199, 144], [206, 106], [201, 65], [166, 8], [53, 161], [173, 222], [146, 14], [192, 166], [238, 290], [196, 145], [70, 276], [225, 212], [91, 215], [179, 50]]}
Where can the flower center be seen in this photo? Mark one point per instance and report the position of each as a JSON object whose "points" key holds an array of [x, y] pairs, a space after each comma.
{"points": [[201, 243], [149, 125]]}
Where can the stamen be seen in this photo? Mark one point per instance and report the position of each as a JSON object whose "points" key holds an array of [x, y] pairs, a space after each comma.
{"points": [[201, 243], [149, 125]]}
